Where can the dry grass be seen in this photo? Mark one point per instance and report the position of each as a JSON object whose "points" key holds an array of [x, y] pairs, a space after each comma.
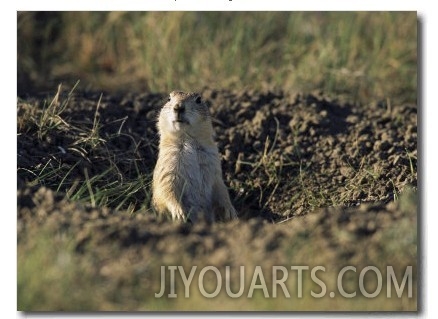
{"points": [[365, 55]]}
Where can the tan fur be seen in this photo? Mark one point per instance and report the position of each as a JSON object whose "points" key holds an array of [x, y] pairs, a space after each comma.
{"points": [[187, 181]]}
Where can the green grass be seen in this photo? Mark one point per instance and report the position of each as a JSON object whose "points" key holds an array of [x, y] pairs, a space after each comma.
{"points": [[367, 56], [116, 180]]}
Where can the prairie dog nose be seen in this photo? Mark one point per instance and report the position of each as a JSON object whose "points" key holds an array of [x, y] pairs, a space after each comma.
{"points": [[179, 108]]}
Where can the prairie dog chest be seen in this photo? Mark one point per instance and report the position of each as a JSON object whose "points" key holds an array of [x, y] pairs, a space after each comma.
{"points": [[196, 164]]}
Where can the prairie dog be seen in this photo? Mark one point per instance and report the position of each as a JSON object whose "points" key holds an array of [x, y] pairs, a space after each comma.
{"points": [[187, 181]]}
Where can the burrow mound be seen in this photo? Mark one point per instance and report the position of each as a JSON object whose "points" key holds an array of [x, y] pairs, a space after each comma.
{"points": [[283, 154]]}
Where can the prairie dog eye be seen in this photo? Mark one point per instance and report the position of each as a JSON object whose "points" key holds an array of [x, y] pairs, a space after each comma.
{"points": [[168, 98], [198, 100]]}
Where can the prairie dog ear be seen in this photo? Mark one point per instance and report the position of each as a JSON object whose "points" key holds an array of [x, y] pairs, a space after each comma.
{"points": [[198, 99]]}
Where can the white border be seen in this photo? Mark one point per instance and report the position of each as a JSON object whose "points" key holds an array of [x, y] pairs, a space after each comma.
{"points": [[225, 5], [429, 59]]}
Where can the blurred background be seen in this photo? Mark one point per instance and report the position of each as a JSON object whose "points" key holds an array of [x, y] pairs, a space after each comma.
{"points": [[367, 56]]}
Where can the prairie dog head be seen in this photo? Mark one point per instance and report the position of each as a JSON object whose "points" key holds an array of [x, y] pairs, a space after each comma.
{"points": [[185, 113]]}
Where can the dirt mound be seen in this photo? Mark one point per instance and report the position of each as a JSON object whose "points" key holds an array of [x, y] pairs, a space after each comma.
{"points": [[316, 181], [275, 147], [116, 260]]}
